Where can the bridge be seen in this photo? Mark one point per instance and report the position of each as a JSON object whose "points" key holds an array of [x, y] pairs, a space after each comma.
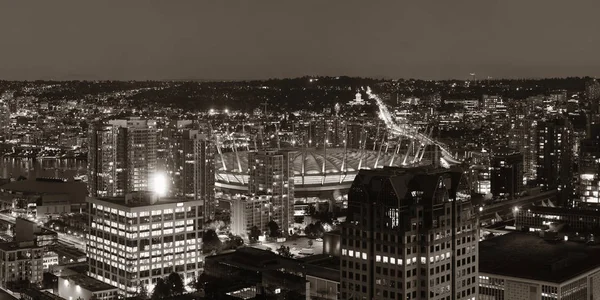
{"points": [[422, 139]]}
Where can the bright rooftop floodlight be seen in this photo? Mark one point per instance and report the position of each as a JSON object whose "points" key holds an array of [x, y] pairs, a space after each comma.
{"points": [[159, 184]]}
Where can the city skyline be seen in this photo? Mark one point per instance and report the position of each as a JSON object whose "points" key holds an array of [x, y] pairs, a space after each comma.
{"points": [[241, 41]]}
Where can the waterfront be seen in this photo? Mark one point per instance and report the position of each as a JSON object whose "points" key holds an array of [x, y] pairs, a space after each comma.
{"points": [[33, 168]]}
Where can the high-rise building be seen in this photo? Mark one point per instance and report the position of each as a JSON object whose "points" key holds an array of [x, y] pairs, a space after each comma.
{"points": [[4, 120], [522, 137], [589, 172], [196, 165], [408, 236], [592, 93], [137, 239], [506, 172], [122, 157], [247, 212], [492, 102], [272, 174], [555, 157]]}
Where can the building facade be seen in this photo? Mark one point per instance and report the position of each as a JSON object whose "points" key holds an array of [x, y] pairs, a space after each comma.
{"points": [[122, 157], [135, 240], [408, 237], [247, 212], [196, 164], [506, 172], [522, 137], [555, 157], [518, 266], [272, 174], [21, 261]]}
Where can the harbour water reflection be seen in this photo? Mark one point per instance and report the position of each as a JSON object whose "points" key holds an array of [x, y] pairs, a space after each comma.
{"points": [[34, 168]]}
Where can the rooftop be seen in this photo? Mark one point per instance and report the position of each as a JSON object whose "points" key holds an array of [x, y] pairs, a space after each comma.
{"points": [[565, 211], [13, 246], [77, 190], [142, 202], [528, 256], [89, 283], [322, 266], [315, 158]]}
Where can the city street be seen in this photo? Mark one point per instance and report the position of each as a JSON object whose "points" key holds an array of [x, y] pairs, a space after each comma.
{"points": [[64, 238]]}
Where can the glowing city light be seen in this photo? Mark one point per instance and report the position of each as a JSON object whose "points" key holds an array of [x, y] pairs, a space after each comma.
{"points": [[159, 184]]}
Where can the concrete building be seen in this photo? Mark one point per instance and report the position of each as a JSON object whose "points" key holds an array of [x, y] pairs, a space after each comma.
{"points": [[26, 230], [589, 172], [538, 218], [272, 174], [20, 261], [407, 236], [122, 157], [506, 172], [522, 136], [249, 272], [136, 239], [519, 266], [44, 196], [491, 103], [247, 212], [79, 286], [555, 157], [196, 165]]}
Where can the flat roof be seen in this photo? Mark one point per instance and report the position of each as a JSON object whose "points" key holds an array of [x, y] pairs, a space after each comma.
{"points": [[89, 283], [524, 255], [75, 189], [131, 204], [13, 246], [322, 266], [565, 211]]}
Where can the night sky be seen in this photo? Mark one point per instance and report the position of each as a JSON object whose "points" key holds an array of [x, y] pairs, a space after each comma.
{"points": [[201, 39]]}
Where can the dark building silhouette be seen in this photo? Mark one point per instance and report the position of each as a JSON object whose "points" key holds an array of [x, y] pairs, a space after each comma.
{"points": [[555, 157], [507, 172], [408, 236]]}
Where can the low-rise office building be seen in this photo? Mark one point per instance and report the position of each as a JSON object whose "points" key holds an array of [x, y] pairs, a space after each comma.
{"points": [[541, 217], [137, 239], [524, 266], [79, 286], [20, 262]]}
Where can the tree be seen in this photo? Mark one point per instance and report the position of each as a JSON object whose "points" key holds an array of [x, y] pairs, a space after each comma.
{"points": [[211, 241], [284, 251], [142, 293], [161, 290], [254, 234], [273, 229], [175, 284]]}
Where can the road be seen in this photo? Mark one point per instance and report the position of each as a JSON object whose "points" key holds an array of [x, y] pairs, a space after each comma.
{"points": [[63, 238]]}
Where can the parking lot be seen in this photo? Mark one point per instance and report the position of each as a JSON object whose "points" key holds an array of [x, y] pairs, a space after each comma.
{"points": [[295, 245]]}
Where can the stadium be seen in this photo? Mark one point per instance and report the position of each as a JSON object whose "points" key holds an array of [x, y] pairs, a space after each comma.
{"points": [[319, 173]]}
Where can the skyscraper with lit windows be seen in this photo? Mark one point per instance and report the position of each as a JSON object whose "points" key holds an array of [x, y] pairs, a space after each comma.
{"points": [[122, 157], [196, 165], [272, 174], [554, 148], [137, 239], [408, 235]]}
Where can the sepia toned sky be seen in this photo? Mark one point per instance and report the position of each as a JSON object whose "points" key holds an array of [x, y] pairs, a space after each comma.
{"points": [[227, 39]]}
